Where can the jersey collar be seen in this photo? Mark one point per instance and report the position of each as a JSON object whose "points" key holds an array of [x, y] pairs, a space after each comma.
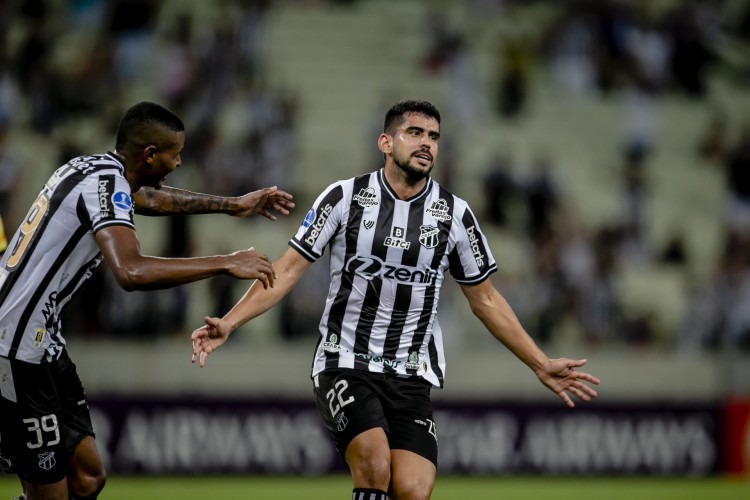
{"points": [[388, 189], [114, 158]]}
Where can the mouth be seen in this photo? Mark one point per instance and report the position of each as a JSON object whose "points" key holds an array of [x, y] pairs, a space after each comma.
{"points": [[424, 159]]}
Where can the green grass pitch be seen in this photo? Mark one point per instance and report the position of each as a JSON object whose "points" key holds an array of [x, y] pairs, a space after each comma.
{"points": [[446, 488]]}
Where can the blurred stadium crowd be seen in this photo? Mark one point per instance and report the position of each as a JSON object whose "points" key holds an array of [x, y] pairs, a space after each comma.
{"points": [[69, 68]]}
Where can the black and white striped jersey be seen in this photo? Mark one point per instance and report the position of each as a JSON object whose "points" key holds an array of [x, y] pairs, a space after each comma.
{"points": [[388, 259], [54, 252]]}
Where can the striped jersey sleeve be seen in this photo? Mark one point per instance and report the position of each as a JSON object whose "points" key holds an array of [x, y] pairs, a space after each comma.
{"points": [[471, 260], [321, 223]]}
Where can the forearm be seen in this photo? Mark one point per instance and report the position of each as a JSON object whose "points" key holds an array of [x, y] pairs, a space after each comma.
{"points": [[174, 201], [498, 317], [257, 300], [154, 273]]}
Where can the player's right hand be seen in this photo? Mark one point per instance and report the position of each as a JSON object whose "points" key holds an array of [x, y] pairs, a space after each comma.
{"points": [[249, 264], [208, 338]]}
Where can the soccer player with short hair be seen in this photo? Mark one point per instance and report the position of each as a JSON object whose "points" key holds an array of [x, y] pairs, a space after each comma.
{"points": [[83, 216], [393, 235]]}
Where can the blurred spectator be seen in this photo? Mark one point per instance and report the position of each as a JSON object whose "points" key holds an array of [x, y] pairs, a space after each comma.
{"points": [[252, 34], [646, 52], [549, 291], [462, 81], [130, 25], [718, 316], [647, 47], [180, 65], [500, 188], [635, 190], [713, 143], [10, 92], [569, 44], [600, 311], [515, 62], [32, 68], [610, 22], [174, 301], [692, 51], [542, 196], [674, 252], [441, 41], [10, 179], [738, 183]]}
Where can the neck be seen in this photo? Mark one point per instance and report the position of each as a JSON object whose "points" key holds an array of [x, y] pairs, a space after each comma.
{"points": [[129, 174], [404, 185]]}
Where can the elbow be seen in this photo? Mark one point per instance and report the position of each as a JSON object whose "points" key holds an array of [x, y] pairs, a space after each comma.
{"points": [[129, 280], [480, 309], [481, 314]]}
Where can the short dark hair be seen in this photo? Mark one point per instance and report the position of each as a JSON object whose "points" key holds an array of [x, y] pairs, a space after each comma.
{"points": [[395, 115], [142, 115]]}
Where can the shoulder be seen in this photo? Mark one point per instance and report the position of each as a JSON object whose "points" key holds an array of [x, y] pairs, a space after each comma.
{"points": [[458, 203]]}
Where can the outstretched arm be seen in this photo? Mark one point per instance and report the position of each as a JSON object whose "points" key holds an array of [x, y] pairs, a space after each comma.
{"points": [[173, 201], [289, 268], [559, 375], [121, 250]]}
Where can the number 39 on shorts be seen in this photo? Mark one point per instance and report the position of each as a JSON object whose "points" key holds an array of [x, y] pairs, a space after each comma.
{"points": [[28, 229], [45, 431]]}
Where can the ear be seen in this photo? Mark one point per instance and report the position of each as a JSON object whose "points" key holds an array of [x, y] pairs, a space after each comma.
{"points": [[149, 152], [385, 143]]}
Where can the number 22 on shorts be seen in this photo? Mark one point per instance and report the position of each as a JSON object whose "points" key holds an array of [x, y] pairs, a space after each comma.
{"points": [[337, 394]]}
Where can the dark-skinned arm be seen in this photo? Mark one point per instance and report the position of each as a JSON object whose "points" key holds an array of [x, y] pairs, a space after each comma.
{"points": [[173, 201], [121, 250]]}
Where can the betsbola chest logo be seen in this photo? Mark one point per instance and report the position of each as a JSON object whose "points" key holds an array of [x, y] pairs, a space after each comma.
{"points": [[439, 209], [366, 197]]}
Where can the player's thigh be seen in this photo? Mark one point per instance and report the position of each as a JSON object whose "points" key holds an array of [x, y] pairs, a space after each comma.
{"points": [[85, 458], [78, 430], [369, 459], [86, 476], [410, 418], [412, 476], [349, 404]]}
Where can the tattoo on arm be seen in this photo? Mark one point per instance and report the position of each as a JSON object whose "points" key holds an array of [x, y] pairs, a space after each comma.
{"points": [[172, 201]]}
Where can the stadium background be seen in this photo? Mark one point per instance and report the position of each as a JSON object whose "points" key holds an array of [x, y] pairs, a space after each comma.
{"points": [[600, 142]]}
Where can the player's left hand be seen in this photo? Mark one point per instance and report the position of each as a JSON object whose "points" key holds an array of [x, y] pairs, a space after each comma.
{"points": [[560, 376], [262, 202]]}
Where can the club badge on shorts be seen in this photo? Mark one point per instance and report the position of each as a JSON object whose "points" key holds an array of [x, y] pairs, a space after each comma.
{"points": [[47, 460]]}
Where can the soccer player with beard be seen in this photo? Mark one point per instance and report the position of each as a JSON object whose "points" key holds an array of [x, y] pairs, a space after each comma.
{"points": [[393, 234]]}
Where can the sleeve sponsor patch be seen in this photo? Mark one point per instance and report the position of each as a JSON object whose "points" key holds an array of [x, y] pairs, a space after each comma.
{"points": [[121, 201], [106, 190]]}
